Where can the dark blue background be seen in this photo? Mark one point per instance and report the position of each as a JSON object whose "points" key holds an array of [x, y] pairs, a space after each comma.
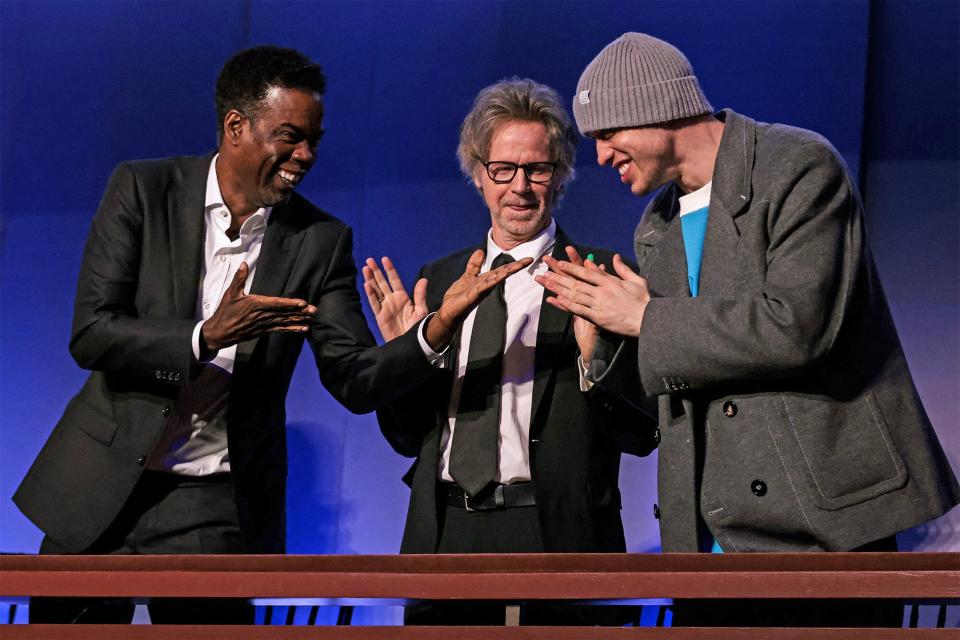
{"points": [[88, 84]]}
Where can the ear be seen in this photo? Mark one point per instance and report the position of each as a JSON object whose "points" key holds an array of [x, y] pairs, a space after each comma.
{"points": [[476, 181], [233, 124]]}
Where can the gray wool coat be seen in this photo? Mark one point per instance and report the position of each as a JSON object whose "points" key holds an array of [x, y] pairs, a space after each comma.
{"points": [[788, 420]]}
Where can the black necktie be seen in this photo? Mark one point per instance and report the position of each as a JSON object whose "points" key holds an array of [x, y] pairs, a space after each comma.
{"points": [[476, 435]]}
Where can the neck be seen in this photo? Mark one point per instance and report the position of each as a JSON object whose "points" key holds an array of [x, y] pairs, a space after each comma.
{"points": [[697, 145], [240, 207]]}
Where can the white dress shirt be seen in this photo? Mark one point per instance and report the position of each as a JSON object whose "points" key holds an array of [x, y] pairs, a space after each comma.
{"points": [[195, 437], [524, 297]]}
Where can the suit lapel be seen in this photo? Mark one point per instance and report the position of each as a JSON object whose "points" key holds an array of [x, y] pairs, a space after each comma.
{"points": [[552, 331], [281, 244], [185, 232]]}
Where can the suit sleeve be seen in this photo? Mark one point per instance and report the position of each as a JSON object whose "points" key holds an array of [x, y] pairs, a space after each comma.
{"points": [[814, 254], [359, 374], [108, 332], [407, 421]]}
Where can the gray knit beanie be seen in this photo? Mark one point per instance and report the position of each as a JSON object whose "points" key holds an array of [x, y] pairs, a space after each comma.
{"points": [[637, 80]]}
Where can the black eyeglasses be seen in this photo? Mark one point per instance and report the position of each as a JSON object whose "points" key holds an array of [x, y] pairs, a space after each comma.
{"points": [[503, 172]]}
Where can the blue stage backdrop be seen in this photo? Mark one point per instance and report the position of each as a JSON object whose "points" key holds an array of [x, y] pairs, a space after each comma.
{"points": [[88, 84]]}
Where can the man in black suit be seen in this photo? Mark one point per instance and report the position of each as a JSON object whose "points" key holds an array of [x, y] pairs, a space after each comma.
{"points": [[200, 280], [512, 456]]}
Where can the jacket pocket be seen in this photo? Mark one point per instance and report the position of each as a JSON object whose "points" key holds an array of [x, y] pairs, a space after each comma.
{"points": [[844, 441], [91, 420]]}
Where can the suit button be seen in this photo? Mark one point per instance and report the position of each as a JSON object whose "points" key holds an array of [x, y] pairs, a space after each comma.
{"points": [[729, 408], [165, 411], [759, 488], [656, 511], [656, 435], [141, 460]]}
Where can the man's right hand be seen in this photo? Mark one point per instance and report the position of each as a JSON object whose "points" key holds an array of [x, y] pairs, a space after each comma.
{"points": [[463, 295], [241, 317]]}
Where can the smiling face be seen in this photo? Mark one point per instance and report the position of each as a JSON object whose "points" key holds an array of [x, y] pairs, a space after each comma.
{"points": [[264, 156], [645, 157], [519, 209]]}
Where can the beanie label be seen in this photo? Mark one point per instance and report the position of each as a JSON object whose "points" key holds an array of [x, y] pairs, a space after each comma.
{"points": [[584, 97]]}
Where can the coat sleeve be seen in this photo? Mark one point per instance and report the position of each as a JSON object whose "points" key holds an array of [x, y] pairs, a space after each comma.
{"points": [[108, 332], [815, 252], [359, 374], [407, 421]]}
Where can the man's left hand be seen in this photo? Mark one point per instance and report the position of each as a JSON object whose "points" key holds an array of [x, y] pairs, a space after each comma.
{"points": [[614, 303]]}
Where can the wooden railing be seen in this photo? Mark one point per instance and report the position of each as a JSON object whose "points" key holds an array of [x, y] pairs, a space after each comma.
{"points": [[514, 578]]}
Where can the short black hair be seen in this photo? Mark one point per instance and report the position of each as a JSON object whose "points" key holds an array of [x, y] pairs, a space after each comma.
{"points": [[246, 78]]}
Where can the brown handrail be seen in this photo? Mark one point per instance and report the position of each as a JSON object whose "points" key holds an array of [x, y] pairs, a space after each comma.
{"points": [[508, 578]]}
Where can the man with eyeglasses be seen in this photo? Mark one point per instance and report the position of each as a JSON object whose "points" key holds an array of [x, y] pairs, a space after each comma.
{"points": [[511, 455]]}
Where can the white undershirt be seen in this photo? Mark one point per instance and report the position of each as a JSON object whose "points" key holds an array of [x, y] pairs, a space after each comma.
{"points": [[524, 297], [192, 443]]}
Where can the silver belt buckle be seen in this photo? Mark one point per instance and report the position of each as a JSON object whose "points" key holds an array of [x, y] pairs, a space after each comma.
{"points": [[466, 502]]}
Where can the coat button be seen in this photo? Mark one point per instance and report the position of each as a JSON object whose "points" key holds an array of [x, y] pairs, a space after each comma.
{"points": [[656, 435], [656, 511], [759, 488], [729, 408], [141, 460], [165, 411]]}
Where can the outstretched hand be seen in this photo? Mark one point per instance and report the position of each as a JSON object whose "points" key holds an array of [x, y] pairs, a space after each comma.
{"points": [[240, 316], [614, 302], [464, 295], [392, 307]]}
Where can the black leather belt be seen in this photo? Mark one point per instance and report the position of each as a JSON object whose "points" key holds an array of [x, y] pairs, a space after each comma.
{"points": [[493, 496]]}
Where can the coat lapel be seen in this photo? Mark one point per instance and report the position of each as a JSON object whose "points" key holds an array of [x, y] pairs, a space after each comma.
{"points": [[185, 232], [729, 198], [281, 244]]}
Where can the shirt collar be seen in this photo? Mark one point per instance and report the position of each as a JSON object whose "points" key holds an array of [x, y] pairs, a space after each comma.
{"points": [[213, 203], [696, 200], [537, 247]]}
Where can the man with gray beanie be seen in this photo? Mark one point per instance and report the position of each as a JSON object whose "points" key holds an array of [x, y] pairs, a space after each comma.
{"points": [[788, 417]]}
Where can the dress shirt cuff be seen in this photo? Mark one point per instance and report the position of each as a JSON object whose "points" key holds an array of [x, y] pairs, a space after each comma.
{"points": [[201, 354], [435, 359], [585, 382]]}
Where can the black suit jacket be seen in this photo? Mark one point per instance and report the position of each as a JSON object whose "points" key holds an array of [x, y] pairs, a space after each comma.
{"points": [[575, 438], [133, 319]]}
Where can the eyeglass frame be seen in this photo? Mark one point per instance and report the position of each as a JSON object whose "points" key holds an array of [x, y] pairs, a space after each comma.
{"points": [[525, 166]]}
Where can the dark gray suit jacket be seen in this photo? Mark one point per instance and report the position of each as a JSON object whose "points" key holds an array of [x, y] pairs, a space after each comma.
{"points": [[575, 439], [789, 419], [133, 319]]}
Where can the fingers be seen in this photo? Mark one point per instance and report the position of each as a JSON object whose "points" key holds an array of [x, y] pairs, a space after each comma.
{"points": [[567, 286], [474, 263], [377, 276], [373, 294], [592, 276], [574, 256], [420, 294], [273, 303], [492, 278], [396, 284], [239, 279], [624, 271]]}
